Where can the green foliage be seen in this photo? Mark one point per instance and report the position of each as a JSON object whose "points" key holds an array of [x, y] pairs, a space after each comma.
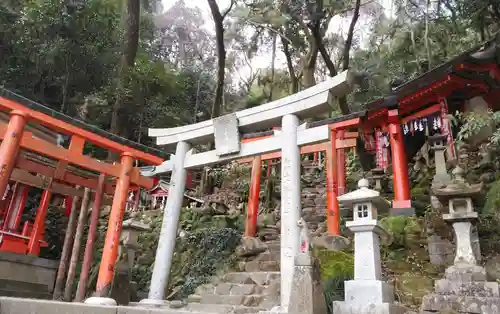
{"points": [[474, 122], [336, 267], [490, 216], [208, 246], [333, 289], [212, 248], [335, 264]]}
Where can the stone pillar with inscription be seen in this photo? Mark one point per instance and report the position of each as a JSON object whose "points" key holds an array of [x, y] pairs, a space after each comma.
{"points": [[367, 293], [290, 204], [465, 288]]}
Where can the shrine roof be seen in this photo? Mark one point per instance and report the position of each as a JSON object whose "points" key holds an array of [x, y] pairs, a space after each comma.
{"points": [[7, 94], [483, 54], [353, 115]]}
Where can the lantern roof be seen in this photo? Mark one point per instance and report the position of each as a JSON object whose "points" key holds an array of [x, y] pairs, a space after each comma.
{"points": [[363, 195]]}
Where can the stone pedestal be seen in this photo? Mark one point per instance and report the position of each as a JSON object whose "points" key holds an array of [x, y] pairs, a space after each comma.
{"points": [[306, 294], [464, 289], [367, 293]]}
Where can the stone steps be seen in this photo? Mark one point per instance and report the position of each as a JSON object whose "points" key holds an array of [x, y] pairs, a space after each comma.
{"points": [[258, 278], [220, 308], [238, 292]]}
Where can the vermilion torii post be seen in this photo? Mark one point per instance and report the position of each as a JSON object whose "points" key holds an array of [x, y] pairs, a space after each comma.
{"points": [[253, 198], [344, 140], [10, 146], [341, 165], [401, 205], [332, 206], [228, 146], [111, 243]]}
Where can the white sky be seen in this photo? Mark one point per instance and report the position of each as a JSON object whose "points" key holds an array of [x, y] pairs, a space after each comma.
{"points": [[338, 25]]}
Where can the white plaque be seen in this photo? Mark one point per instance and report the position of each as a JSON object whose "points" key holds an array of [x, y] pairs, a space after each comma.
{"points": [[227, 136]]}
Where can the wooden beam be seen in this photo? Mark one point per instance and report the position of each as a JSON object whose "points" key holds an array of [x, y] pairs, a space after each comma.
{"points": [[423, 113], [347, 143], [67, 128], [347, 124], [309, 149], [31, 166], [351, 135], [61, 154], [26, 178], [268, 145]]}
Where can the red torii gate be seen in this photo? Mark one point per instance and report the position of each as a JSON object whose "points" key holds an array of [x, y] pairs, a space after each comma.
{"points": [[335, 157], [15, 139]]}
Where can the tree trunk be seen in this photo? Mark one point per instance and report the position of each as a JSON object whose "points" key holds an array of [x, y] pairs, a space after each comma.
{"points": [[131, 44], [221, 54], [206, 185], [309, 63], [344, 106], [273, 65], [294, 82]]}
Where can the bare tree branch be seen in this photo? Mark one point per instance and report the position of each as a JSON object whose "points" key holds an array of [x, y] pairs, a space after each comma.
{"points": [[233, 2], [272, 30]]}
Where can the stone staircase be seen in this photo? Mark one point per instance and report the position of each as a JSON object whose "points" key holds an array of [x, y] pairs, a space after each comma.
{"points": [[252, 289]]}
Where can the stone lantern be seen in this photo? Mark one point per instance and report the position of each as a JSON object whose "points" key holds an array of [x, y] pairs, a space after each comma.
{"points": [[464, 288], [438, 145], [378, 174], [121, 289], [367, 293]]}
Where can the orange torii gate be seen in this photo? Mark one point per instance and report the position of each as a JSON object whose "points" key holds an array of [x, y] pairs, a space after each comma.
{"points": [[335, 169], [55, 162]]}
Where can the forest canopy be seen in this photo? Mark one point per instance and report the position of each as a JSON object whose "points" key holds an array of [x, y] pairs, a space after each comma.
{"points": [[122, 63]]}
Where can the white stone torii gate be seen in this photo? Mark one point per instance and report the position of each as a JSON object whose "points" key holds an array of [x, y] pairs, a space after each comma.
{"points": [[225, 129]]}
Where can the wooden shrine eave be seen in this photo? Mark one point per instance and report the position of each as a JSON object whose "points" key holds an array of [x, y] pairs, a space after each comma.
{"points": [[473, 73], [421, 103], [482, 57], [64, 124]]}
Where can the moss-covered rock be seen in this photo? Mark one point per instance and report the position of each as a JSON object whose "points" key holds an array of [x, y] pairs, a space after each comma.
{"points": [[405, 232]]}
